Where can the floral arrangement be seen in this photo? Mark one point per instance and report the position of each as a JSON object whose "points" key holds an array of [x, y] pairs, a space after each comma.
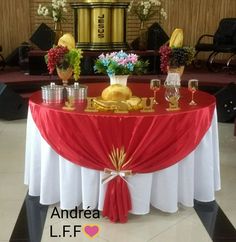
{"points": [[119, 63], [55, 11], [146, 9], [63, 58], [175, 56]]}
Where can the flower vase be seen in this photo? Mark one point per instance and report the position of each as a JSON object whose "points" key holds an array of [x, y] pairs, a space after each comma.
{"points": [[64, 75], [143, 37], [174, 76], [119, 79], [179, 70], [58, 32]]}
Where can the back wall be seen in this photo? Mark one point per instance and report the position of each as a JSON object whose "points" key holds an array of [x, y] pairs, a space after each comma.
{"points": [[19, 19]]}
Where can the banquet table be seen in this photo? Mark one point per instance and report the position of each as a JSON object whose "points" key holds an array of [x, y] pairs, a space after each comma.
{"points": [[171, 157]]}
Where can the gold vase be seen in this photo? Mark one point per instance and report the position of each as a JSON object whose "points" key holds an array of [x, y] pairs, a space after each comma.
{"points": [[64, 75], [58, 32], [143, 37]]}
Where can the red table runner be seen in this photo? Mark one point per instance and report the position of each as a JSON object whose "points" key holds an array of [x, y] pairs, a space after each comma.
{"points": [[151, 141]]}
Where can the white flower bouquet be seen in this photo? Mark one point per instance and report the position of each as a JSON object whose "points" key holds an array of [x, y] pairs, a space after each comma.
{"points": [[55, 11], [145, 9]]}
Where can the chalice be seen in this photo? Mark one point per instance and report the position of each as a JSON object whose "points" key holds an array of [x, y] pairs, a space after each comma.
{"points": [[193, 87], [155, 85]]}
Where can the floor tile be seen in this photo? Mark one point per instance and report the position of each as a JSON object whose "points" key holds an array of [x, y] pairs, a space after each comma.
{"points": [[12, 187], [189, 229], [12, 146], [9, 211], [138, 228], [12, 162], [226, 197], [30, 222], [227, 143]]}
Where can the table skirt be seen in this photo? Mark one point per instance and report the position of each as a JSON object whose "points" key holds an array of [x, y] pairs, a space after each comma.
{"points": [[56, 179]]}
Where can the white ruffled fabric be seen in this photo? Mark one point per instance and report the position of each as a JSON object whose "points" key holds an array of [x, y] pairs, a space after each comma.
{"points": [[56, 179]]}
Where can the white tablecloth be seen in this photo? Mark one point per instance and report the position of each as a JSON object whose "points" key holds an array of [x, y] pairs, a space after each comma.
{"points": [[56, 179]]}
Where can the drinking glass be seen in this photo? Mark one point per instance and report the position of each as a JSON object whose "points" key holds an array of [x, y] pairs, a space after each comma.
{"points": [[193, 86], [172, 94], [155, 85]]}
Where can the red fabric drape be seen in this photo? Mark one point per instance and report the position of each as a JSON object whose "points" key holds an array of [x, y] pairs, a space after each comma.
{"points": [[117, 201], [152, 141]]}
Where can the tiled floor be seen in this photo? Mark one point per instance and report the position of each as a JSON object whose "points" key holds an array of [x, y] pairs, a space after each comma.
{"points": [[12, 189], [185, 225]]}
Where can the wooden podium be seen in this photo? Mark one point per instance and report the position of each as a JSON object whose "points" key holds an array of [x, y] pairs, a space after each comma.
{"points": [[100, 24]]}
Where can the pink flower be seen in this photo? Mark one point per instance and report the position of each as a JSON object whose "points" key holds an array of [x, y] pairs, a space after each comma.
{"points": [[133, 58], [101, 56]]}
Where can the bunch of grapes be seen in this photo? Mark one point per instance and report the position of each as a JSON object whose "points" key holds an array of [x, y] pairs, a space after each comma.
{"points": [[55, 57], [75, 56], [191, 53], [179, 57], [165, 52]]}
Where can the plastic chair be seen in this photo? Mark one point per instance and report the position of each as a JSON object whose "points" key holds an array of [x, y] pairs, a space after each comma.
{"points": [[223, 41]]}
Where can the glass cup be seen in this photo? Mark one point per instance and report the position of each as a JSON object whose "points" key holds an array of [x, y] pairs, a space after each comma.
{"points": [[172, 95], [192, 87], [155, 85]]}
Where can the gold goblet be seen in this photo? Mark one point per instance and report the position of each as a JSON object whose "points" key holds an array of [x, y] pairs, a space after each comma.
{"points": [[64, 75], [193, 87], [155, 85]]}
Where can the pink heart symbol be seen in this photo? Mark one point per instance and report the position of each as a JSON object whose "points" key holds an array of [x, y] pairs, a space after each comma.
{"points": [[91, 230]]}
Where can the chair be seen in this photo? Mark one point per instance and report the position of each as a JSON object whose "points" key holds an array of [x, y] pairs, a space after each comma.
{"points": [[223, 41], [2, 60]]}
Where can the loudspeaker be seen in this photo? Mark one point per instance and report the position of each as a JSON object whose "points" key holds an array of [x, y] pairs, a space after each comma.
{"points": [[12, 105], [37, 64], [226, 103], [13, 58], [19, 56], [24, 55], [2, 62], [43, 37], [156, 37]]}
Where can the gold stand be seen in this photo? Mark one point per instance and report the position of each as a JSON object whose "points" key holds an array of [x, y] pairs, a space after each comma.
{"points": [[173, 104], [90, 105], [147, 108], [70, 104]]}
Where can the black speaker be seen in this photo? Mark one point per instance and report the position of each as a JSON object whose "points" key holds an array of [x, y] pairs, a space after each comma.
{"points": [[24, 55], [19, 56], [2, 60], [156, 37], [43, 37], [12, 105], [13, 58], [226, 103]]}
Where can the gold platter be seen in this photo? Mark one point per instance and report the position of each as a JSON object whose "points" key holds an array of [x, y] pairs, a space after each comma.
{"points": [[132, 104]]}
